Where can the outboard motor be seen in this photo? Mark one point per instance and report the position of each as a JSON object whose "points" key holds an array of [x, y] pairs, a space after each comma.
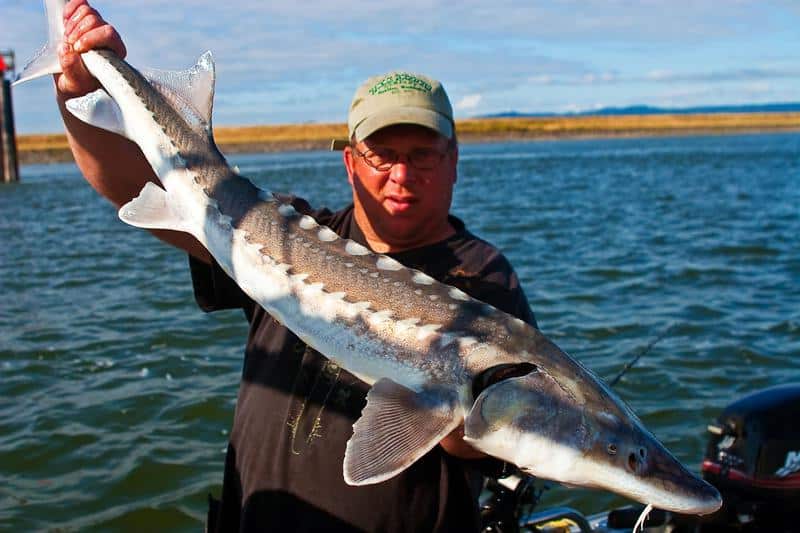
{"points": [[753, 458]]}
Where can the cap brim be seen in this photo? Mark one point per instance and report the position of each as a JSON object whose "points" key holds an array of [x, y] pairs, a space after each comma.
{"points": [[405, 115], [339, 144]]}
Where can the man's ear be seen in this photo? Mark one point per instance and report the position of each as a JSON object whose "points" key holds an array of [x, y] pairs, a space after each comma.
{"points": [[349, 162]]}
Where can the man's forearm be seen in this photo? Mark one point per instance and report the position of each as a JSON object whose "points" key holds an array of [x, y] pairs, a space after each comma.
{"points": [[116, 168], [113, 165]]}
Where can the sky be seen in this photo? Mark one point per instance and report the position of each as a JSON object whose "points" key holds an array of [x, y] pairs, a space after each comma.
{"points": [[300, 62]]}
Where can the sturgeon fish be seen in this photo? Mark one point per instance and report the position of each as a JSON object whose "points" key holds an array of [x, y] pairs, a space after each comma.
{"points": [[420, 344]]}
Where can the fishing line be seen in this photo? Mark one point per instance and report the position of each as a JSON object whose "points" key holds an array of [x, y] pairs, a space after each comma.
{"points": [[642, 517], [641, 353]]}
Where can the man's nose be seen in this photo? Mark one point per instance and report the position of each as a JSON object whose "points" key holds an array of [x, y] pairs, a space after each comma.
{"points": [[401, 171]]}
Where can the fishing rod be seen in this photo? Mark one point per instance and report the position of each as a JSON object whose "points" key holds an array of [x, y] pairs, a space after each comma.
{"points": [[641, 353]]}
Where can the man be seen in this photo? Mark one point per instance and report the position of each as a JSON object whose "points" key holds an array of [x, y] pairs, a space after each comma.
{"points": [[295, 408]]}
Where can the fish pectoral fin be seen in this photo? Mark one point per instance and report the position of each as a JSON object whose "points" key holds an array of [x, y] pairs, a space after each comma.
{"points": [[99, 110], [190, 92], [397, 427], [150, 210]]}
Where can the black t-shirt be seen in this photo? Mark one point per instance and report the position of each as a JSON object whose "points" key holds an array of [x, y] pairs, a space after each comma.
{"points": [[295, 411]]}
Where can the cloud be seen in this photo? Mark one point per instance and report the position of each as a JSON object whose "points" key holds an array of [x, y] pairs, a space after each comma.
{"points": [[735, 74], [300, 62], [468, 102], [666, 76], [758, 88]]}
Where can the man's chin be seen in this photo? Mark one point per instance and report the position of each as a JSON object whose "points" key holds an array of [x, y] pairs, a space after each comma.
{"points": [[399, 230]]}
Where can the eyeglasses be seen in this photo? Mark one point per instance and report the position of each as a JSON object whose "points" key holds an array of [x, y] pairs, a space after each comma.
{"points": [[382, 158]]}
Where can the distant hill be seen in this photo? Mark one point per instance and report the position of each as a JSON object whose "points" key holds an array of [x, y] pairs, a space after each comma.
{"points": [[650, 110]]}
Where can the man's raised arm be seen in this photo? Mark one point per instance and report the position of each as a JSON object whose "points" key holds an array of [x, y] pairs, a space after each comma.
{"points": [[114, 166]]}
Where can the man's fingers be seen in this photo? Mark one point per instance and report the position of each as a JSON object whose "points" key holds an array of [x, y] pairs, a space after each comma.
{"points": [[117, 45], [71, 6], [78, 21], [71, 65], [85, 20], [70, 61], [104, 36], [84, 30], [74, 79], [77, 85], [88, 22]]}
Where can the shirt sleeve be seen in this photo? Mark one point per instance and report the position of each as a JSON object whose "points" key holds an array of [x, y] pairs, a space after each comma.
{"points": [[497, 285], [214, 290]]}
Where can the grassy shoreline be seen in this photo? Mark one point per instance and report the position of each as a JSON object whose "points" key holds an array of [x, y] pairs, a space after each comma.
{"points": [[50, 148]]}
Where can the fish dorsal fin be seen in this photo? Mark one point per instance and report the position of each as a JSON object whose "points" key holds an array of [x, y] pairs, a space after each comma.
{"points": [[100, 110], [45, 61], [190, 92], [397, 427]]}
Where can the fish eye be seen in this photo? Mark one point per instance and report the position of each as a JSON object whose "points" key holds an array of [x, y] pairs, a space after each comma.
{"points": [[612, 449]]}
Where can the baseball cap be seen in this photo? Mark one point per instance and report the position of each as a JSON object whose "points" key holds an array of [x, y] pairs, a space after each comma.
{"points": [[398, 98]]}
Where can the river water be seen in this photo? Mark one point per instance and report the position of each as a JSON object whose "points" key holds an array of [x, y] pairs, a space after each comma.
{"points": [[117, 393]]}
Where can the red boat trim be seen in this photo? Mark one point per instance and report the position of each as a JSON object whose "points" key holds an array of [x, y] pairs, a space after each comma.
{"points": [[789, 482]]}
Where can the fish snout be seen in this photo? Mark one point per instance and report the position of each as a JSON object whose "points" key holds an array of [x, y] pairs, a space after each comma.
{"points": [[655, 476], [628, 459], [689, 494]]}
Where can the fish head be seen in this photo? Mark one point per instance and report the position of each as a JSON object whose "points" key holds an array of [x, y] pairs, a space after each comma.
{"points": [[540, 424]]}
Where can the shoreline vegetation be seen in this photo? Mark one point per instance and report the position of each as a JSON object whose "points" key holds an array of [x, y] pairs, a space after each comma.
{"points": [[52, 148]]}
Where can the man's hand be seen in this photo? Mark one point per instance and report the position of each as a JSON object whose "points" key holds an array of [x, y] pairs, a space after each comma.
{"points": [[455, 445], [84, 30]]}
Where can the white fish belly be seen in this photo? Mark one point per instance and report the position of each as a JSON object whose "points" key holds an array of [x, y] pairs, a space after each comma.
{"points": [[364, 342]]}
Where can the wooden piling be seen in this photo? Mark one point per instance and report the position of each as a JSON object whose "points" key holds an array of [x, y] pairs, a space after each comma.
{"points": [[9, 165], [8, 139]]}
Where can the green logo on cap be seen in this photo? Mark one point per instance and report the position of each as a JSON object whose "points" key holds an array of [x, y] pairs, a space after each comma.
{"points": [[400, 81]]}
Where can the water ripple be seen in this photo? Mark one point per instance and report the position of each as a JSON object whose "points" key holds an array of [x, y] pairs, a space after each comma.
{"points": [[116, 393]]}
